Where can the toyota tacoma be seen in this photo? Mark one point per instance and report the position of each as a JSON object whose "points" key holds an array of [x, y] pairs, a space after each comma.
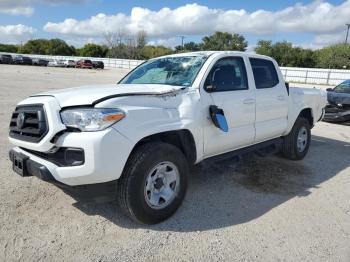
{"points": [[166, 115]]}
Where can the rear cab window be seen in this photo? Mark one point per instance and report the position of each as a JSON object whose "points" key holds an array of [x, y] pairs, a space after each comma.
{"points": [[265, 74]]}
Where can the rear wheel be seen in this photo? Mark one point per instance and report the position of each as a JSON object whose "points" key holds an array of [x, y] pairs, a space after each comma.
{"points": [[154, 183], [296, 143]]}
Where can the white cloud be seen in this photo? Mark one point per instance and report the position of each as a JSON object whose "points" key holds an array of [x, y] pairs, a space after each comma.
{"points": [[16, 33], [326, 39], [25, 7], [21, 10], [319, 18], [168, 42], [251, 49], [81, 41]]}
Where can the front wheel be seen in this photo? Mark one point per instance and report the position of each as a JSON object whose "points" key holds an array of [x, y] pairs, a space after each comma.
{"points": [[296, 143], [154, 182]]}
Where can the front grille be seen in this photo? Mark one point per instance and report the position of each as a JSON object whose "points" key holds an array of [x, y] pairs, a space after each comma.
{"points": [[29, 123]]}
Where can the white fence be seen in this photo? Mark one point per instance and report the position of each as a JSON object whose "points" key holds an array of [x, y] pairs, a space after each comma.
{"points": [[315, 75], [291, 74]]}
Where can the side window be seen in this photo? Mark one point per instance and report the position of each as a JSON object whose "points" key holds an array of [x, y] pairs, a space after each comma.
{"points": [[228, 74], [265, 74]]}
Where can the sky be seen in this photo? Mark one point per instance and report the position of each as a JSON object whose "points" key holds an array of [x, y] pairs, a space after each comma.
{"points": [[310, 24]]}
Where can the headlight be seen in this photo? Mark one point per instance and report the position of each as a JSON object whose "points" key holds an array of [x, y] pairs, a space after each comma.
{"points": [[91, 119]]}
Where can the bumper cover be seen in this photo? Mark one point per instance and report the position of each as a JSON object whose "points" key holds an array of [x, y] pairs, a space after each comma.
{"points": [[106, 153], [335, 114]]}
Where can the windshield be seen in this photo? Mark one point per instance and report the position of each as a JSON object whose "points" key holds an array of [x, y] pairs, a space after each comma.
{"points": [[179, 71], [343, 87]]}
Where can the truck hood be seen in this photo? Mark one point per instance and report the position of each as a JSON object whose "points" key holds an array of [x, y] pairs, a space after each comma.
{"points": [[91, 95]]}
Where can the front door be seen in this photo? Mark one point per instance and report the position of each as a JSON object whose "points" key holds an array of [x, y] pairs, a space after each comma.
{"points": [[227, 86]]}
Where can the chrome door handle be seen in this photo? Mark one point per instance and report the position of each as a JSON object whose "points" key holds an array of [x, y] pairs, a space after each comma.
{"points": [[281, 97], [249, 101]]}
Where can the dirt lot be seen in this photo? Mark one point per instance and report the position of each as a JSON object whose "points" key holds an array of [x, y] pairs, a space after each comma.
{"points": [[263, 209]]}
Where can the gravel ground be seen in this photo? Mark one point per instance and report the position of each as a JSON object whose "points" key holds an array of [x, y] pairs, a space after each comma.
{"points": [[261, 209]]}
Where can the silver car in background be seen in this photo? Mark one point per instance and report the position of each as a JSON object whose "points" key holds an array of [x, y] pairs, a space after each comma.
{"points": [[69, 63], [56, 63]]}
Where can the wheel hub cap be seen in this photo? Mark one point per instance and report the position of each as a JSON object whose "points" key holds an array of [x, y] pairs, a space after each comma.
{"points": [[302, 139], [162, 185], [158, 184]]}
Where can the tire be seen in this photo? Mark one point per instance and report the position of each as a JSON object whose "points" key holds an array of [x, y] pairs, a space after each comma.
{"points": [[290, 147], [132, 187]]}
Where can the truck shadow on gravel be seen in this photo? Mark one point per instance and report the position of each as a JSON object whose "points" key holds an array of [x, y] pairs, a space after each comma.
{"points": [[228, 193]]}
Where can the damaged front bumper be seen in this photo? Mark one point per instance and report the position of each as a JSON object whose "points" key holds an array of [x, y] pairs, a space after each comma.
{"points": [[337, 113]]}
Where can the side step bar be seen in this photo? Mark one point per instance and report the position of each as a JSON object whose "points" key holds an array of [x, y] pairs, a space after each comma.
{"points": [[262, 149]]}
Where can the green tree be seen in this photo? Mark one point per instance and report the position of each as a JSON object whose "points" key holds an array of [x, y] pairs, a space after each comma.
{"points": [[304, 57], [8, 48], [141, 41], [224, 41], [286, 54], [188, 47], [93, 50], [191, 46], [264, 47], [155, 51], [59, 47], [48, 47], [119, 51], [334, 56], [37, 46]]}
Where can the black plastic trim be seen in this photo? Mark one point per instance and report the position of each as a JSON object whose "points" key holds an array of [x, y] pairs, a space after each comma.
{"points": [[35, 169], [59, 157], [30, 134]]}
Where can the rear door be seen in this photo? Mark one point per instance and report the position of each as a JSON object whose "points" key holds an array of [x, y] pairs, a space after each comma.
{"points": [[271, 100], [229, 90]]}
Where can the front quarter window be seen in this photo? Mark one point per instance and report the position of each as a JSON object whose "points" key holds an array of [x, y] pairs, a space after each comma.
{"points": [[177, 70]]}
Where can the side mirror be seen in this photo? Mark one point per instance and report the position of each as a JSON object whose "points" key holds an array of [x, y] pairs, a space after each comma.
{"points": [[218, 117], [329, 89]]}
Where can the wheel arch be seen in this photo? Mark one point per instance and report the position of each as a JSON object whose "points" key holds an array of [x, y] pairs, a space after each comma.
{"points": [[181, 138], [307, 113]]}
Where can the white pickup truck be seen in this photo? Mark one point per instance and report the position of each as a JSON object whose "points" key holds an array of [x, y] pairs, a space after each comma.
{"points": [[164, 116]]}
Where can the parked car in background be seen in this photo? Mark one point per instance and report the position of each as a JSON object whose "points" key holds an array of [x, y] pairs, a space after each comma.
{"points": [[338, 108], [69, 63], [5, 59], [84, 63], [40, 62], [98, 65], [56, 63], [22, 60]]}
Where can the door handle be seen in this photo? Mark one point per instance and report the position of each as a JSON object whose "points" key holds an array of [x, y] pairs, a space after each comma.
{"points": [[249, 101], [281, 97]]}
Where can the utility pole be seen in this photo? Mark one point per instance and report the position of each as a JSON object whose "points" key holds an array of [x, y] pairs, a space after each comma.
{"points": [[182, 40], [347, 33]]}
